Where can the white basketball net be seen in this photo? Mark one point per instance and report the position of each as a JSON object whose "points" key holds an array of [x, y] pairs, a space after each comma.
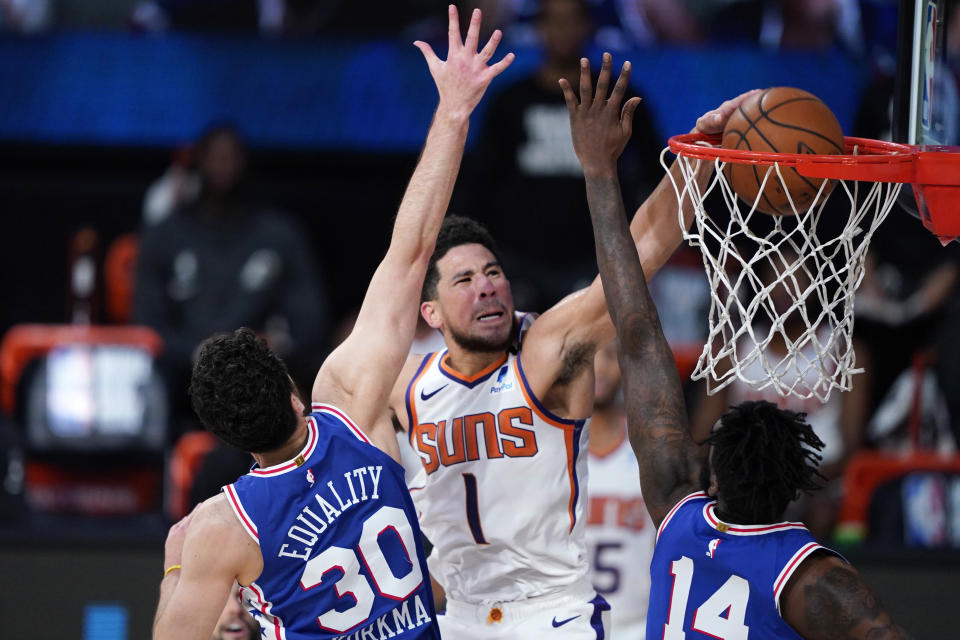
{"points": [[781, 311]]}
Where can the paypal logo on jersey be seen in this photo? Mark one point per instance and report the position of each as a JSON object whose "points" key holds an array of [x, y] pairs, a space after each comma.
{"points": [[501, 385], [712, 547]]}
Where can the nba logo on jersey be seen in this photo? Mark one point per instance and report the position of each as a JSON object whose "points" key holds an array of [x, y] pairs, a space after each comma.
{"points": [[712, 546], [310, 477]]}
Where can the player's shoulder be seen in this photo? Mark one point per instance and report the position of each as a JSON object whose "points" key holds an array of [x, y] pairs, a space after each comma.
{"points": [[214, 519], [222, 541], [684, 503], [413, 365]]}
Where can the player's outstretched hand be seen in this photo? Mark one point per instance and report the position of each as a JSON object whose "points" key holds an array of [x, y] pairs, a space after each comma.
{"points": [[600, 128], [462, 78], [715, 120]]}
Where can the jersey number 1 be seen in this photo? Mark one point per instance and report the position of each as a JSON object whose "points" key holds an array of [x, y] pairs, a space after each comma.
{"points": [[721, 616], [354, 585]]}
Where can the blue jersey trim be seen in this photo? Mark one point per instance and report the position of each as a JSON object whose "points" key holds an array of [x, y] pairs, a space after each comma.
{"points": [[409, 396], [542, 409]]}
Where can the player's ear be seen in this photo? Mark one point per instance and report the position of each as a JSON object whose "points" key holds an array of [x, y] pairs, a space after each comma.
{"points": [[431, 314], [298, 407], [714, 488]]}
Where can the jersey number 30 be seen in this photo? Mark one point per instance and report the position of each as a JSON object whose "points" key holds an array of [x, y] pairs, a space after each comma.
{"points": [[354, 585], [721, 616]]}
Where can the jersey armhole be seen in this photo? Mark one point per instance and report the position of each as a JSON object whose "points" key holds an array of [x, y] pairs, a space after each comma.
{"points": [[409, 399], [342, 418], [676, 507], [793, 564], [233, 499]]}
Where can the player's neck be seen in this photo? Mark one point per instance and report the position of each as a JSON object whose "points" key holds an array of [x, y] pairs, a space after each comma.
{"points": [[468, 362], [607, 429], [289, 450]]}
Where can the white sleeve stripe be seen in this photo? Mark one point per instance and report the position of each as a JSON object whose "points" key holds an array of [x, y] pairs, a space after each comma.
{"points": [[248, 525], [341, 415], [698, 494], [790, 567]]}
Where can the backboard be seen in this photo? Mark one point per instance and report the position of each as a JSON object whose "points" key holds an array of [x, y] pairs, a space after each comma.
{"points": [[926, 103], [926, 109]]}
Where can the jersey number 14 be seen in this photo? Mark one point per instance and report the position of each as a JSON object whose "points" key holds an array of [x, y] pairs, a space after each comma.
{"points": [[720, 616]]}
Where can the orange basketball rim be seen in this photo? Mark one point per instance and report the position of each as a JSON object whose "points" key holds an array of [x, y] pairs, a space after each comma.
{"points": [[932, 171]]}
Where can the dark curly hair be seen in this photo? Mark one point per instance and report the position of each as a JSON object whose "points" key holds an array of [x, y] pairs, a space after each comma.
{"points": [[241, 392], [763, 457], [455, 231]]}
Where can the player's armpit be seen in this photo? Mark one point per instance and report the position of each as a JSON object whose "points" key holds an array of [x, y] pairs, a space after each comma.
{"points": [[216, 552], [826, 599], [559, 347]]}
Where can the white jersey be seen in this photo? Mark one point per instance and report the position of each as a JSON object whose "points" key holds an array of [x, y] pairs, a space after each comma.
{"points": [[824, 418], [501, 492], [620, 538]]}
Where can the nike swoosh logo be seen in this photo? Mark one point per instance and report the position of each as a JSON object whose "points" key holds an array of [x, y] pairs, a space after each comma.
{"points": [[563, 622], [427, 396]]}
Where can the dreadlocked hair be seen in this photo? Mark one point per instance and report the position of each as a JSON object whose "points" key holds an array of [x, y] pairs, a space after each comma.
{"points": [[763, 457]]}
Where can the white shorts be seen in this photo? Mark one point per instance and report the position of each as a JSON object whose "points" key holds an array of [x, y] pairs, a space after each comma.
{"points": [[577, 612]]}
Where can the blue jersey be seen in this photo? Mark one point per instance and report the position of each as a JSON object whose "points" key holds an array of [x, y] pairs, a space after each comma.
{"points": [[338, 533], [710, 579]]}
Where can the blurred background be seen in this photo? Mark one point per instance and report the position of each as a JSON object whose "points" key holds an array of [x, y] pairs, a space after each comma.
{"points": [[171, 168]]}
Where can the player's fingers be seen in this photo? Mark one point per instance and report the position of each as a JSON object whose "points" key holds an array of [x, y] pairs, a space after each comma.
{"points": [[491, 47], [735, 102], [428, 54], [473, 32], [568, 94], [586, 90], [453, 30], [603, 82], [620, 88], [715, 120], [505, 62], [626, 116]]}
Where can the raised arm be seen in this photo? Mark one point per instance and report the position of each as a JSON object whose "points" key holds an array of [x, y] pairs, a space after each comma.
{"points": [[559, 342], [359, 374], [826, 599], [656, 415]]}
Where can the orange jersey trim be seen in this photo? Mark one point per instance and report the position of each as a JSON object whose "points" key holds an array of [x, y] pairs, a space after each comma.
{"points": [[412, 396], [450, 371]]}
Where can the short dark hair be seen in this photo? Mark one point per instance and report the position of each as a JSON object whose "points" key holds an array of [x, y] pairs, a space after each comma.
{"points": [[763, 457], [455, 231], [241, 392]]}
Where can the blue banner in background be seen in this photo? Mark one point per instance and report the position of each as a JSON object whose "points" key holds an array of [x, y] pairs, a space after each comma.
{"points": [[328, 94]]}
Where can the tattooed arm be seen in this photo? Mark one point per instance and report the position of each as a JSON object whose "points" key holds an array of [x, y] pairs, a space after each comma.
{"points": [[827, 600], [656, 414]]}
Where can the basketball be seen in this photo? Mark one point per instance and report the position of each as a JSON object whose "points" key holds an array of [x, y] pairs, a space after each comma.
{"points": [[781, 120]]}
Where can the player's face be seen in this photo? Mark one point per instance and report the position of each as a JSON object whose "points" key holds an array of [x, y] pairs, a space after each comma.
{"points": [[563, 28], [235, 622], [606, 379], [474, 305]]}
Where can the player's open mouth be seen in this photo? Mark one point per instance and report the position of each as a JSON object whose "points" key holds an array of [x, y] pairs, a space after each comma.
{"points": [[490, 317], [237, 628]]}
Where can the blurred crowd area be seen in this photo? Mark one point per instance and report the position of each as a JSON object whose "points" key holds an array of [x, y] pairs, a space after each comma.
{"points": [[96, 420], [857, 25]]}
